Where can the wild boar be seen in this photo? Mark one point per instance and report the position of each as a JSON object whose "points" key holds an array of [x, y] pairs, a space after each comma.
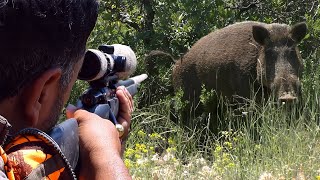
{"points": [[241, 57]]}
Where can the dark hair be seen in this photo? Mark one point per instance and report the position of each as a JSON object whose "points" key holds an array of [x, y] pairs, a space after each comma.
{"points": [[36, 35]]}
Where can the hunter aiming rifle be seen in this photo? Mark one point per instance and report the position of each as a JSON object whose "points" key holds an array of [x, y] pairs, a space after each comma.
{"points": [[104, 69]]}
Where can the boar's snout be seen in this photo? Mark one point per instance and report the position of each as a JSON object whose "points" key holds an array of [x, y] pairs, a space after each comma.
{"points": [[288, 98], [288, 89]]}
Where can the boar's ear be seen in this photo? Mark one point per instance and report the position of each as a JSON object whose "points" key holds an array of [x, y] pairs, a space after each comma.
{"points": [[298, 31], [260, 34]]}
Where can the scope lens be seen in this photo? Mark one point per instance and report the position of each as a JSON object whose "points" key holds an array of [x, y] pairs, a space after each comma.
{"points": [[91, 66]]}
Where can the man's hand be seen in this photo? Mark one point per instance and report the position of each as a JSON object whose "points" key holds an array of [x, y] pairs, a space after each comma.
{"points": [[125, 110], [100, 146]]}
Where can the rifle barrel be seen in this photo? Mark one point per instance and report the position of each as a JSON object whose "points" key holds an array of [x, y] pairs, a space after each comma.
{"points": [[133, 80]]}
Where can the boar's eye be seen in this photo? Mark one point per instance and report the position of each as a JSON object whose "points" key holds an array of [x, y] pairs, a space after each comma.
{"points": [[290, 50], [271, 54], [291, 56], [270, 51]]}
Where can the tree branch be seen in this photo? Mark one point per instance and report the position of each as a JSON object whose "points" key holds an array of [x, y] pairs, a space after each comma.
{"points": [[125, 18], [243, 8]]}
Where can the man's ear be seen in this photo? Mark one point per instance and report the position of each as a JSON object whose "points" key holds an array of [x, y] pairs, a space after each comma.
{"points": [[40, 95]]}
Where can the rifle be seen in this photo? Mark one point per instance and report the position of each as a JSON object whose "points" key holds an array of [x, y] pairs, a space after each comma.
{"points": [[100, 97], [103, 101]]}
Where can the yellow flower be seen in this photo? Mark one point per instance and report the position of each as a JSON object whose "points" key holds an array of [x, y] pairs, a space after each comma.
{"points": [[137, 156], [155, 136], [129, 152], [172, 150], [141, 133], [141, 148], [225, 157], [228, 145], [257, 146], [218, 149], [171, 141], [231, 165], [128, 163]]}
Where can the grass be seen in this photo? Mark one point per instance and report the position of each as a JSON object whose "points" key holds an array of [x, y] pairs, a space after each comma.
{"points": [[269, 143]]}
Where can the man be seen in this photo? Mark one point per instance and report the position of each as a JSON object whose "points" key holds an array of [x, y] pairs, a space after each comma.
{"points": [[42, 46]]}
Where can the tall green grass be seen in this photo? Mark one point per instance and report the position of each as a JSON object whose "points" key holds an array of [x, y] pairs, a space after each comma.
{"points": [[267, 140]]}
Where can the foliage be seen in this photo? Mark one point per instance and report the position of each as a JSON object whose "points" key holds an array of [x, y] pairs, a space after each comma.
{"points": [[174, 26], [208, 98]]}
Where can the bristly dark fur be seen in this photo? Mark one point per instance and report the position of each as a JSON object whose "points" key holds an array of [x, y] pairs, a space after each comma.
{"points": [[230, 61]]}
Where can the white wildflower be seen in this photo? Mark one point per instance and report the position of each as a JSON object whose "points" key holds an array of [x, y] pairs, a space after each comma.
{"points": [[155, 157], [245, 113], [266, 176], [168, 157]]}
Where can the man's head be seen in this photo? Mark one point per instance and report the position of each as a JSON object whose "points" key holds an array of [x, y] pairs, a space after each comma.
{"points": [[42, 43]]}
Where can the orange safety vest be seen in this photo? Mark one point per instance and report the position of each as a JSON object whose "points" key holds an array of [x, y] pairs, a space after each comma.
{"points": [[32, 154]]}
